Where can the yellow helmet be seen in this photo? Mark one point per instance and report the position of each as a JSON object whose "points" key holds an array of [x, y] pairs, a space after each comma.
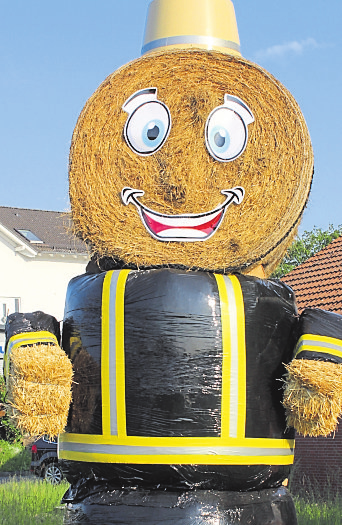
{"points": [[205, 24]]}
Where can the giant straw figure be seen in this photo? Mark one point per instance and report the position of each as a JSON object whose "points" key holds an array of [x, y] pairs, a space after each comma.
{"points": [[190, 169]]}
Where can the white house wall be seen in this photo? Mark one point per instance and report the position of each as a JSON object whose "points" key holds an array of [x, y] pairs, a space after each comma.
{"points": [[40, 282]]}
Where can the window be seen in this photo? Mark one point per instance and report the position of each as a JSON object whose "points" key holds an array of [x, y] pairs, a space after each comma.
{"points": [[30, 236], [8, 305]]}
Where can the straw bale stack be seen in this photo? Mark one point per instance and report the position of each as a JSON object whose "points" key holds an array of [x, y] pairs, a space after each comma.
{"points": [[313, 396], [275, 169], [39, 388]]}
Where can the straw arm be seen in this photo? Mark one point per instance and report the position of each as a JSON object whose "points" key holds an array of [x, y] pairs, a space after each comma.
{"points": [[313, 382], [313, 396], [39, 388]]}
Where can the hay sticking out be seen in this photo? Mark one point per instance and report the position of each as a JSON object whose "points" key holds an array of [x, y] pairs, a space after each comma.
{"points": [[39, 388], [313, 396]]}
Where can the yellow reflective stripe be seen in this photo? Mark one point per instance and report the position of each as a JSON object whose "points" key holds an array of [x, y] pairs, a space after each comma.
{"points": [[318, 343], [29, 338], [241, 428], [113, 354], [120, 352], [24, 339], [319, 349], [105, 392], [226, 373], [177, 459], [233, 404], [141, 441], [178, 450]]}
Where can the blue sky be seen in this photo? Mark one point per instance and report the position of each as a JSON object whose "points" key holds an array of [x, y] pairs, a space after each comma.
{"points": [[53, 55]]}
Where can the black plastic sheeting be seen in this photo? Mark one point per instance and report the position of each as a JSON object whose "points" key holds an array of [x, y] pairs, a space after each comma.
{"points": [[320, 322], [173, 357], [173, 370], [19, 323], [132, 507]]}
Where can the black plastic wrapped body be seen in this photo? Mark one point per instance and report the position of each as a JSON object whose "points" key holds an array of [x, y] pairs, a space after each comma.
{"points": [[125, 507], [19, 323], [177, 380]]}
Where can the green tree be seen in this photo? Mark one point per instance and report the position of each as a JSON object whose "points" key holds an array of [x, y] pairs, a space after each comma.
{"points": [[305, 246]]}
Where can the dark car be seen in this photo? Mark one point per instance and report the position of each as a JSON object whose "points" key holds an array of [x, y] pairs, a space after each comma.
{"points": [[45, 460]]}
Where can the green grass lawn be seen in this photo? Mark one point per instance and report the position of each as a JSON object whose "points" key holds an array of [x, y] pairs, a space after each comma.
{"points": [[24, 502], [322, 513], [14, 457]]}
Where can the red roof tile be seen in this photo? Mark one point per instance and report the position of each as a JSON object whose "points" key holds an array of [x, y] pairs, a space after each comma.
{"points": [[317, 282]]}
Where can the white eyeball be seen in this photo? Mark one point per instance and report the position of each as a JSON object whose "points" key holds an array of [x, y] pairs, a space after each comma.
{"points": [[148, 127], [225, 134]]}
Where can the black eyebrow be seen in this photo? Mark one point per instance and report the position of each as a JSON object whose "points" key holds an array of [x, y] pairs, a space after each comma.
{"points": [[147, 91]]}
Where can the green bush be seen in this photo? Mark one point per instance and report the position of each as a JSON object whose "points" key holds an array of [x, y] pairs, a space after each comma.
{"points": [[8, 432]]}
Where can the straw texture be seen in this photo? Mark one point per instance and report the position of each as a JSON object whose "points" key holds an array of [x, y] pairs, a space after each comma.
{"points": [[275, 169], [313, 396], [39, 388]]}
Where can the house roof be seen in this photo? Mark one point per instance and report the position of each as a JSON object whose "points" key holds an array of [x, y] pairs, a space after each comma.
{"points": [[53, 228], [317, 282]]}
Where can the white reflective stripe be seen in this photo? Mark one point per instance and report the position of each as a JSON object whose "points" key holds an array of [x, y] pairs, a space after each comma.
{"points": [[234, 356], [317, 345], [190, 39], [127, 450], [28, 338], [112, 354]]}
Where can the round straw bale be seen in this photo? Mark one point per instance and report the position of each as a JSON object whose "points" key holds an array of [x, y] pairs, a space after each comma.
{"points": [[313, 396], [182, 177]]}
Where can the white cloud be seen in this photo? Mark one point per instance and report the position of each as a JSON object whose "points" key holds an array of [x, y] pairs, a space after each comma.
{"points": [[280, 50]]}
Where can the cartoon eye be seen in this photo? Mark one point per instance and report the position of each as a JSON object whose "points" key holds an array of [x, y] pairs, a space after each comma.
{"points": [[226, 131], [149, 122]]}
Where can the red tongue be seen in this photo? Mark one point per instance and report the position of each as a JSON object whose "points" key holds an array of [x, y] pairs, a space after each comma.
{"points": [[157, 227]]}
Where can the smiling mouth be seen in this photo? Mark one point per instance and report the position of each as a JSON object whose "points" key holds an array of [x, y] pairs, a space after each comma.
{"points": [[186, 227]]}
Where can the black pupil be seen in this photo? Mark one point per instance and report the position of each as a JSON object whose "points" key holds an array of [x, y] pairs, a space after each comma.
{"points": [[219, 140], [153, 133]]}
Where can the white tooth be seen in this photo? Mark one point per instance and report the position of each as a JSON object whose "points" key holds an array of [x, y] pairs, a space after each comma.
{"points": [[189, 222], [182, 233]]}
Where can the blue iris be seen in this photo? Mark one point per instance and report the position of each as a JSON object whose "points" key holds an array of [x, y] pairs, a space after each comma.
{"points": [[219, 140], [153, 133]]}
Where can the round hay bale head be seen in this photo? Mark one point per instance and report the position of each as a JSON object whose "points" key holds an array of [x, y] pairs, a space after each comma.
{"points": [[182, 177]]}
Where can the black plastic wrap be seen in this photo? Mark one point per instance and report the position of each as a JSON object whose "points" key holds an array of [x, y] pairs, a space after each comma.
{"points": [[125, 507], [82, 342], [173, 373], [19, 323], [271, 322], [320, 323]]}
